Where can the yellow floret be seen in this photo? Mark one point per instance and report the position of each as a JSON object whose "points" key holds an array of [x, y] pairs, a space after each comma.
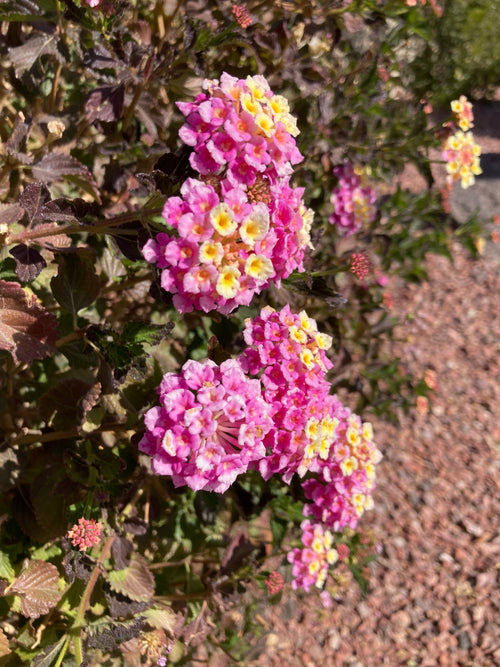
{"points": [[228, 284], [222, 219]]}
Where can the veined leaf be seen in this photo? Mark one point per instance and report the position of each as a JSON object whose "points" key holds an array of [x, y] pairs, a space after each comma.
{"points": [[27, 330], [46, 657], [134, 581], [38, 588]]}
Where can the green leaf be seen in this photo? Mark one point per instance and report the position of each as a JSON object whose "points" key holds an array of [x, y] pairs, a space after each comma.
{"points": [[144, 333], [134, 581], [76, 284], [49, 654], [6, 569]]}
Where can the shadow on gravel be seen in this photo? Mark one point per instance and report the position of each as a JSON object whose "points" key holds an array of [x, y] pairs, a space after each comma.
{"points": [[490, 164]]}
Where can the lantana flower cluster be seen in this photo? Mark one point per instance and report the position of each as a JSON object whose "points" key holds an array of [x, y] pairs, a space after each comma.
{"points": [[460, 151], [287, 353], [271, 410], [209, 426], [240, 224], [353, 199], [230, 244], [310, 564]]}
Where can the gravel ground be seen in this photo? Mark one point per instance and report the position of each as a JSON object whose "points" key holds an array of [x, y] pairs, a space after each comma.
{"points": [[434, 590]]}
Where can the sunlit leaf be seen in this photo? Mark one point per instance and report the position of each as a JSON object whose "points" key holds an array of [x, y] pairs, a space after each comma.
{"points": [[134, 581], [38, 588], [27, 330]]}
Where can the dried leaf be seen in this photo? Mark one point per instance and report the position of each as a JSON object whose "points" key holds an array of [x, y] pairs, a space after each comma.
{"points": [[4, 645], [46, 657], [38, 588], [29, 262], [27, 330], [54, 166], [135, 581], [24, 57]]}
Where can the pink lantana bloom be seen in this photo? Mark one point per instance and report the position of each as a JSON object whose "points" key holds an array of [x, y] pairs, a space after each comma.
{"points": [[353, 199], [209, 427], [244, 224], [310, 563], [230, 242]]}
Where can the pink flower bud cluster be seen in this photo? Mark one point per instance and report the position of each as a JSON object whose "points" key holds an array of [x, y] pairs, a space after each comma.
{"points": [[310, 564], [209, 426], [85, 534], [287, 353], [231, 242], [274, 583], [240, 225], [353, 199], [343, 487]]}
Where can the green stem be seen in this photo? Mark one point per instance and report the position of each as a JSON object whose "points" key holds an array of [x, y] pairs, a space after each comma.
{"points": [[64, 649], [85, 601]]}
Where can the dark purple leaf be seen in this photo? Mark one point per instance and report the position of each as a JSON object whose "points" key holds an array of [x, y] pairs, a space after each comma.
{"points": [[29, 262], [76, 284], [67, 403], [16, 145], [105, 103], [34, 197], [24, 57], [236, 553], [19, 10], [55, 166], [27, 330], [121, 606], [135, 526], [121, 550]]}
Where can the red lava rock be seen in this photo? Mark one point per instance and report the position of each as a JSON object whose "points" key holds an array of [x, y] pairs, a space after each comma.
{"points": [[437, 493]]}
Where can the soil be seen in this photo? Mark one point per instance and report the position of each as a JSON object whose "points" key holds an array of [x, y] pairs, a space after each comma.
{"points": [[434, 595]]}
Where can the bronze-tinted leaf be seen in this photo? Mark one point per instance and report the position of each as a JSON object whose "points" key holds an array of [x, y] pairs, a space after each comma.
{"points": [[27, 330], [135, 581], [10, 213], [29, 262], [4, 645], [38, 588]]}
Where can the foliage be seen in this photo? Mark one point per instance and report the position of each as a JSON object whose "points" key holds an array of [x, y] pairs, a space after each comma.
{"points": [[89, 153]]}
